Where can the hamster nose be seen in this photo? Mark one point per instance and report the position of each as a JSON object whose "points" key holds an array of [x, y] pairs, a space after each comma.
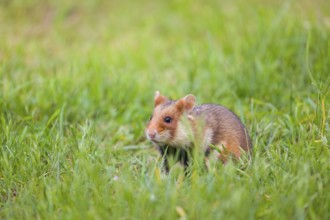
{"points": [[152, 134]]}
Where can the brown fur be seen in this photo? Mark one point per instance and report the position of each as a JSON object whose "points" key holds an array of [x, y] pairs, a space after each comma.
{"points": [[157, 122], [210, 125]]}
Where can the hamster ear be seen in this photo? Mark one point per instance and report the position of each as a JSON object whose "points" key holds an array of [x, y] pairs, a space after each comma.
{"points": [[190, 101], [159, 99], [186, 103]]}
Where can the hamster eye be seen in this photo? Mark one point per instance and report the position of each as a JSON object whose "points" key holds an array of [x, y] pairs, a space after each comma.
{"points": [[150, 118], [167, 119]]}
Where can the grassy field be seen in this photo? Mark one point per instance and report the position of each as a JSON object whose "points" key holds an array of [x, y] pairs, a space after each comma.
{"points": [[77, 80]]}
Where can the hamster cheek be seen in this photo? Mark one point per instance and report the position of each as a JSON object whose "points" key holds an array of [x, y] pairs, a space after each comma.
{"points": [[164, 136]]}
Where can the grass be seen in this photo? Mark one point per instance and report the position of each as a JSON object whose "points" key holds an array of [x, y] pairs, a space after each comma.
{"points": [[77, 83]]}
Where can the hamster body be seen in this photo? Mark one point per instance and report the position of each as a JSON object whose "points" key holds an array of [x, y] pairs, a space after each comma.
{"points": [[176, 126]]}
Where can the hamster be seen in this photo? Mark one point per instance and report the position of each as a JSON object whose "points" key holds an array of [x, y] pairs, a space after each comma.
{"points": [[177, 126]]}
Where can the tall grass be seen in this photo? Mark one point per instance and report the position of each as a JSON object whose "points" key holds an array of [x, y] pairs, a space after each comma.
{"points": [[77, 83]]}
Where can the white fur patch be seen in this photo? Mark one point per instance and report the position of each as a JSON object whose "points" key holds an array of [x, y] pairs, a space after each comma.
{"points": [[162, 137], [222, 146], [208, 134], [181, 137], [146, 133]]}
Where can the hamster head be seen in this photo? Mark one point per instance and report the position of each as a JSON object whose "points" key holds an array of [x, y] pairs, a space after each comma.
{"points": [[165, 125]]}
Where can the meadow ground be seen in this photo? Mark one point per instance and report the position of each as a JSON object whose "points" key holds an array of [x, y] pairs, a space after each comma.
{"points": [[77, 80]]}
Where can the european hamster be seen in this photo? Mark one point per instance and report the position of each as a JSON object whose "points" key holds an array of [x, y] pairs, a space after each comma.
{"points": [[177, 126]]}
